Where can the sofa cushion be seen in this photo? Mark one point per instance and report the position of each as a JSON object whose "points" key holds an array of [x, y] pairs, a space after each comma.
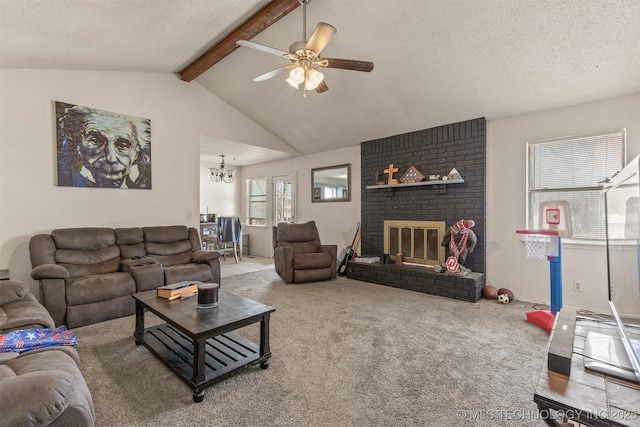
{"points": [[131, 242], [11, 291], [302, 238], [89, 289], [23, 314], [302, 247], [166, 234], [297, 232], [169, 254], [132, 251], [86, 239], [129, 236], [35, 398], [180, 273], [311, 261], [89, 262], [47, 387]]}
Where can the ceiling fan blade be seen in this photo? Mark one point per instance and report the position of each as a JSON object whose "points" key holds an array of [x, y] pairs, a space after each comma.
{"points": [[320, 37], [322, 87], [270, 74], [262, 48], [346, 64]]}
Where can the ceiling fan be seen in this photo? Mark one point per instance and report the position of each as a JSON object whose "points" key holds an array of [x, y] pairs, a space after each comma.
{"points": [[305, 57]]}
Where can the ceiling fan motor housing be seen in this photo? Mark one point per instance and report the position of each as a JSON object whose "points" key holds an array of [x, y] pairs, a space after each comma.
{"points": [[296, 46]]}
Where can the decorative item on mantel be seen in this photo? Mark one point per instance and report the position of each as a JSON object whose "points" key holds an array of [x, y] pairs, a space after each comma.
{"points": [[412, 175], [390, 171], [434, 177], [454, 174], [378, 180]]}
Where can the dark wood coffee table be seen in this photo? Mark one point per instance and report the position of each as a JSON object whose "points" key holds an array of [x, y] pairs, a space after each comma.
{"points": [[198, 345]]}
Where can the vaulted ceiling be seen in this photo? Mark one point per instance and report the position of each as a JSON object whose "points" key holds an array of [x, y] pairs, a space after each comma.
{"points": [[436, 61]]}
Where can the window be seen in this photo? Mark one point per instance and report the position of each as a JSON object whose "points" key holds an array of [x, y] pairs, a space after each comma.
{"points": [[284, 199], [574, 169], [257, 201]]}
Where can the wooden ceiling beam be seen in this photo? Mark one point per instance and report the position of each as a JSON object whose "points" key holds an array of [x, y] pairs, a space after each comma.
{"points": [[259, 22]]}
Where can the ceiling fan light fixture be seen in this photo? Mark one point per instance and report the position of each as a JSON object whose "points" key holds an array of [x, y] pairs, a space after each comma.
{"points": [[314, 78], [297, 75]]}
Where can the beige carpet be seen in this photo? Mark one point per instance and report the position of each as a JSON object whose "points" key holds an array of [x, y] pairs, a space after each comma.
{"points": [[345, 353]]}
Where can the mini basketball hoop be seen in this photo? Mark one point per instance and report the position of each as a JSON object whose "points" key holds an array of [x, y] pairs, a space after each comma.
{"points": [[537, 242], [545, 244]]}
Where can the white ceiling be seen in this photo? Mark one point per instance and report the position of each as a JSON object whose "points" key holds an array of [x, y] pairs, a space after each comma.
{"points": [[436, 61]]}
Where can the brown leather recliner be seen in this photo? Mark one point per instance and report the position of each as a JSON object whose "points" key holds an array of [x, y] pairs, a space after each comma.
{"points": [[299, 256]]}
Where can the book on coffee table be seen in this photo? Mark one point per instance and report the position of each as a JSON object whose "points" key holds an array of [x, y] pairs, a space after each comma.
{"points": [[176, 290]]}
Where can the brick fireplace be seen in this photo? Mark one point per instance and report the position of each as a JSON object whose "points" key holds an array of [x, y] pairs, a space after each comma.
{"points": [[433, 151]]}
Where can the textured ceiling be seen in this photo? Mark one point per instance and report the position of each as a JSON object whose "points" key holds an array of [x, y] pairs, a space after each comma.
{"points": [[436, 61]]}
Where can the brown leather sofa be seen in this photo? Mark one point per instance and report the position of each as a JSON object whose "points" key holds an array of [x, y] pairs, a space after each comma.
{"points": [[87, 275], [41, 387], [299, 256]]}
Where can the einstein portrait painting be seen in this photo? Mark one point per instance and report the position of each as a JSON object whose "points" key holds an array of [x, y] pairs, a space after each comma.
{"points": [[98, 148]]}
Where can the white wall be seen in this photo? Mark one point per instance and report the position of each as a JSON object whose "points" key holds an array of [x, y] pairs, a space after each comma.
{"points": [[179, 112], [220, 198], [336, 221], [506, 196]]}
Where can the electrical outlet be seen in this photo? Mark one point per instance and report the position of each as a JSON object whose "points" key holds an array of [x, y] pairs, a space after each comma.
{"points": [[577, 286], [189, 215]]}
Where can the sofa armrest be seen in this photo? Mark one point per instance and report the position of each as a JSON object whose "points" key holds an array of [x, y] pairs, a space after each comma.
{"points": [[330, 249], [283, 261], [127, 264], [333, 251], [39, 395], [203, 257], [54, 299], [50, 271], [12, 291], [147, 276], [210, 258]]}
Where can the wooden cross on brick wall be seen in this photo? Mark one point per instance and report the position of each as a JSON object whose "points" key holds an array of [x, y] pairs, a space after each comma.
{"points": [[391, 171]]}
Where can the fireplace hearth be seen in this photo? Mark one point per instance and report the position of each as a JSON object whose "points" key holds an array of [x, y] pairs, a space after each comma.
{"points": [[420, 279]]}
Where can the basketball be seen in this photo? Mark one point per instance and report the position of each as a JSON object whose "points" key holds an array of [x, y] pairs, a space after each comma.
{"points": [[490, 292]]}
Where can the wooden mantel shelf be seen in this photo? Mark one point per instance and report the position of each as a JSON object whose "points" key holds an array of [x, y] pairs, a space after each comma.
{"points": [[416, 184]]}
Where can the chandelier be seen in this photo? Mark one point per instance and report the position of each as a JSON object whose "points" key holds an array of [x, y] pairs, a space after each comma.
{"points": [[222, 174]]}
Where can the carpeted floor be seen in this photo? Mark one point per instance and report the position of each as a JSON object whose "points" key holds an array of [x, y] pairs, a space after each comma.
{"points": [[344, 353]]}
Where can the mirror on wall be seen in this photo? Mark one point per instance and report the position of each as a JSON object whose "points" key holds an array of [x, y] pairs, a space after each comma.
{"points": [[331, 184]]}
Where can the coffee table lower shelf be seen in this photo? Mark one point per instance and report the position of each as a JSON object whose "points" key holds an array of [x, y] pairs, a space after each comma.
{"points": [[225, 355]]}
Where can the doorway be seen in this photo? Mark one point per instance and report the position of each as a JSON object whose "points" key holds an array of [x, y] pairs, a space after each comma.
{"points": [[284, 199]]}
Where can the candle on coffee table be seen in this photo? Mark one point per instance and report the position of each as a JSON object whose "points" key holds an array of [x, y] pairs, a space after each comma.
{"points": [[207, 295]]}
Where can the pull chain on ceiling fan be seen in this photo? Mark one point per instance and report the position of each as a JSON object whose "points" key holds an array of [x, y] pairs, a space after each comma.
{"points": [[305, 57]]}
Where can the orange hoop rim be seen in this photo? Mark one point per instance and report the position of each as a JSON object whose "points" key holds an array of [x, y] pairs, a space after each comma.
{"points": [[542, 232]]}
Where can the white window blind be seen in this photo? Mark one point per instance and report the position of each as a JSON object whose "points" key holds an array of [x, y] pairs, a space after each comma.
{"points": [[574, 169]]}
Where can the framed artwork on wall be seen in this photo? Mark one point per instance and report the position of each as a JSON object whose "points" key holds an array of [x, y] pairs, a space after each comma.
{"points": [[97, 148]]}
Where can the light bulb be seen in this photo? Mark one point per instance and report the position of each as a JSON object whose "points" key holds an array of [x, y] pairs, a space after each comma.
{"points": [[314, 79], [292, 83], [297, 75]]}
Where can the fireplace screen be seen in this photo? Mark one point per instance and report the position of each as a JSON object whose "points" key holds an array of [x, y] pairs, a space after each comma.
{"points": [[418, 241]]}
